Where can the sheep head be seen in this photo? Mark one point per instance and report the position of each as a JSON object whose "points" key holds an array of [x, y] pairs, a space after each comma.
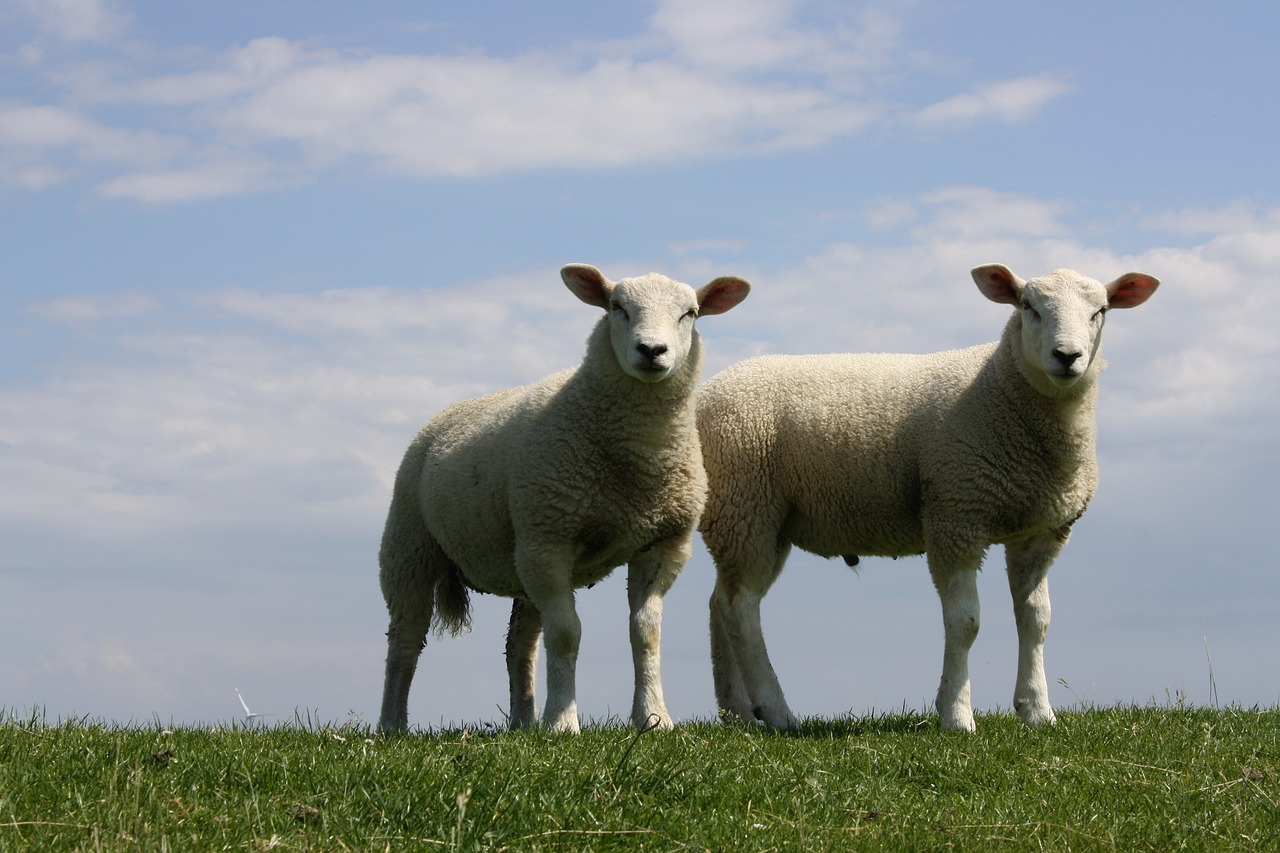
{"points": [[1061, 315], [651, 317]]}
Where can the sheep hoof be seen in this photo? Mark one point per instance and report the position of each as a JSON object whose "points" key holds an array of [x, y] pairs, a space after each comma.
{"points": [[850, 560]]}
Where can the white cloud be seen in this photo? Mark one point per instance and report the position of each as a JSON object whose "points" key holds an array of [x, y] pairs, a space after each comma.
{"points": [[83, 308], [41, 146], [763, 35], [239, 71], [1238, 216], [206, 180], [705, 80], [1010, 101], [78, 20], [476, 115], [980, 211], [24, 127]]}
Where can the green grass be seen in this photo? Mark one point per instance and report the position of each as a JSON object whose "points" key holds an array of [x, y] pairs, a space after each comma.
{"points": [[1126, 778]]}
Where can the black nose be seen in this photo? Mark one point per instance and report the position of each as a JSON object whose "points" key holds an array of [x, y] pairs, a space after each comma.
{"points": [[651, 352], [1066, 359]]}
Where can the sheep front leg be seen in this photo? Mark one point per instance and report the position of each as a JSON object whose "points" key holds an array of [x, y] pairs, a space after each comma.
{"points": [[545, 577], [1028, 567], [649, 575], [523, 632], [958, 589]]}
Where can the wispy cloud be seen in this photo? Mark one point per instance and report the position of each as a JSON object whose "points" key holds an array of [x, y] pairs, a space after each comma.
{"points": [[44, 145], [77, 21], [1239, 216], [1009, 101], [703, 81]]}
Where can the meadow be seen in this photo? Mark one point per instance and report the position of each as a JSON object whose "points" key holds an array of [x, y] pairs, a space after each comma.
{"points": [[1130, 778]]}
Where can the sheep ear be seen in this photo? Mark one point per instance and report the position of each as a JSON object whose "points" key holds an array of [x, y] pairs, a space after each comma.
{"points": [[722, 294], [998, 283], [1131, 289], [587, 283]]}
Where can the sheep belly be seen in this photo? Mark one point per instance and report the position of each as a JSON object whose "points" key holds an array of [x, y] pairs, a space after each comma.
{"points": [[870, 523], [851, 484]]}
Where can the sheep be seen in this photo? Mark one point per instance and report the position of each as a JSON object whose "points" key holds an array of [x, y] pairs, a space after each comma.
{"points": [[892, 455], [535, 491]]}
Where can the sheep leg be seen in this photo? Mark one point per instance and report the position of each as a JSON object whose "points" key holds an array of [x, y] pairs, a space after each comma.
{"points": [[523, 632], [736, 599], [408, 561], [650, 575], [958, 589], [546, 581], [1028, 567], [731, 693], [405, 639]]}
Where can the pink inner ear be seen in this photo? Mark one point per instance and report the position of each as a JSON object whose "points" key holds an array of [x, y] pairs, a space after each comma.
{"points": [[721, 295], [998, 283], [1131, 289], [588, 284]]}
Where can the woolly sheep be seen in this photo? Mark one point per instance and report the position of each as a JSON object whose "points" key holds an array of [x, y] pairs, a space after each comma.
{"points": [[891, 455], [535, 491]]}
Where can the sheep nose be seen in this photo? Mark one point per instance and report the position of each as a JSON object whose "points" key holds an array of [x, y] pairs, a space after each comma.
{"points": [[1066, 359], [651, 352]]}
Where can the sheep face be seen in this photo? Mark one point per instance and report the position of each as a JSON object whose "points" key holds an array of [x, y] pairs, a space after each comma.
{"points": [[1062, 318], [651, 318], [651, 325], [1061, 315]]}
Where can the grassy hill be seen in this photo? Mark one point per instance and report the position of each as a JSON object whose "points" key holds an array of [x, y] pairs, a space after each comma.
{"points": [[1129, 778]]}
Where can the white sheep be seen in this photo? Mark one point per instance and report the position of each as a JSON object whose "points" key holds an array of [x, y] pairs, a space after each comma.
{"points": [[535, 491], [891, 455]]}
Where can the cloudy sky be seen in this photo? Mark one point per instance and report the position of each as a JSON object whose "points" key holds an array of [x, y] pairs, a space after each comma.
{"points": [[249, 248]]}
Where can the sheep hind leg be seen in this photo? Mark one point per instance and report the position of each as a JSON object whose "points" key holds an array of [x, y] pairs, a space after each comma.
{"points": [[731, 692], [405, 640], [1028, 567], [958, 590], [409, 562], [523, 633]]}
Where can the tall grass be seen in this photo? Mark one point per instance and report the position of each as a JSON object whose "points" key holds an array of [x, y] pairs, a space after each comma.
{"points": [[1129, 778]]}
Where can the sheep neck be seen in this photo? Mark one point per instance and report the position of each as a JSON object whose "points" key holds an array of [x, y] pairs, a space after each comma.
{"points": [[1070, 411], [623, 408]]}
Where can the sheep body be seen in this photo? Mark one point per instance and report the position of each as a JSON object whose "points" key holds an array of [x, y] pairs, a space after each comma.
{"points": [[535, 491], [889, 455]]}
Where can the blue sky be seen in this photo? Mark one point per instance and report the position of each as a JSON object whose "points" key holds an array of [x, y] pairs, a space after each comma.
{"points": [[249, 248]]}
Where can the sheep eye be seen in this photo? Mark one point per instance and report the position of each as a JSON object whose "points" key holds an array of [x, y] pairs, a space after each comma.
{"points": [[617, 306], [1026, 306], [691, 314], [1099, 314]]}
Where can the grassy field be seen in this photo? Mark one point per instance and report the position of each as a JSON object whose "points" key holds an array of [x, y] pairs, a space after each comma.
{"points": [[1124, 778]]}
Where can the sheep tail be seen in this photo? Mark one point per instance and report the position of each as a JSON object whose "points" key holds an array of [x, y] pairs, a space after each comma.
{"points": [[421, 585], [452, 603]]}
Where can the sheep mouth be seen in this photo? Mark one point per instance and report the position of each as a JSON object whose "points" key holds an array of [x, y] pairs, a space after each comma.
{"points": [[651, 372], [1062, 377]]}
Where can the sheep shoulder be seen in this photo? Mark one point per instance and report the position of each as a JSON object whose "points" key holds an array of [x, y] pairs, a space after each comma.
{"points": [[1010, 461]]}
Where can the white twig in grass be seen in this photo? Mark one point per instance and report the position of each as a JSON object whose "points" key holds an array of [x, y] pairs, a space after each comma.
{"points": [[1213, 685]]}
